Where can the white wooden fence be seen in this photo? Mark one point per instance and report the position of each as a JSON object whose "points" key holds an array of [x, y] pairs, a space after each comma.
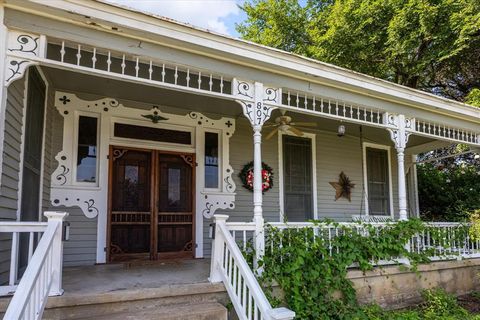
{"points": [[230, 267], [43, 275]]}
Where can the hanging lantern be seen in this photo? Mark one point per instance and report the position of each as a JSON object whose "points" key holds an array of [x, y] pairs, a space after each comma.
{"points": [[341, 130]]}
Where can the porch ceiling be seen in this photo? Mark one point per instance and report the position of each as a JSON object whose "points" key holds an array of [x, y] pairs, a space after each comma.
{"points": [[144, 96], [136, 95]]}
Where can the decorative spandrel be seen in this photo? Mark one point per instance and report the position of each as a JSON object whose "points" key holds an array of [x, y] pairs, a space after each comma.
{"points": [[22, 49]]}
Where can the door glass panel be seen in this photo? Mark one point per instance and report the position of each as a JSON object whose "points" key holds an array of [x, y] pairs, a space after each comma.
{"points": [[173, 187]]}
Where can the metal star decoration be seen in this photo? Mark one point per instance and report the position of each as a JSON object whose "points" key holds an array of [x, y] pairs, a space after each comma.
{"points": [[343, 188]]}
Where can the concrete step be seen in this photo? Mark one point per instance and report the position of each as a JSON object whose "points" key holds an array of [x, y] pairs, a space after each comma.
{"points": [[135, 302], [204, 311]]}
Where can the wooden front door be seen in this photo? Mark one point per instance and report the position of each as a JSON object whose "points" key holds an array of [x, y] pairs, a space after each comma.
{"points": [[151, 204]]}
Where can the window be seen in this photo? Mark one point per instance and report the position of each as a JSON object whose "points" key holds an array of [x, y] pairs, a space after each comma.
{"points": [[297, 178], [153, 134], [87, 149], [378, 181], [211, 160]]}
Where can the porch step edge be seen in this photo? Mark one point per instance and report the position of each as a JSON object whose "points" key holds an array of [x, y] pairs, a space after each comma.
{"points": [[204, 311], [69, 300]]}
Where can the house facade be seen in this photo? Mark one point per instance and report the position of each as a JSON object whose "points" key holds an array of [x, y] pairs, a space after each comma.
{"points": [[142, 129]]}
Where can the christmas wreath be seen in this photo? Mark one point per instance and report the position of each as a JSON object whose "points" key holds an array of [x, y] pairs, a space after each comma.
{"points": [[246, 175]]}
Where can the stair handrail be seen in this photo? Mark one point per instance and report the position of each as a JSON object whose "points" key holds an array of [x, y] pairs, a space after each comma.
{"points": [[43, 276], [230, 267]]}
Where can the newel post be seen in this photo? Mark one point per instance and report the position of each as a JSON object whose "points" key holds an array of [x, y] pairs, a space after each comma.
{"points": [[57, 218], [399, 133], [257, 104], [217, 247]]}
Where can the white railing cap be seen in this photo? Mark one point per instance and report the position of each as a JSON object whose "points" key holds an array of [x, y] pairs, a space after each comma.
{"points": [[59, 215], [220, 217]]}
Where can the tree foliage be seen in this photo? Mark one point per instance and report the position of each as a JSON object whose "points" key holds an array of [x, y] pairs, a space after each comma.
{"points": [[427, 44], [473, 97], [448, 193]]}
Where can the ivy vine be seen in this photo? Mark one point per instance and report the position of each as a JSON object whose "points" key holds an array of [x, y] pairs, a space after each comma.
{"points": [[311, 269]]}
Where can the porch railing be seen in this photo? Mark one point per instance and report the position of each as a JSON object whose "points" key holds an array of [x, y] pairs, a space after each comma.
{"points": [[438, 240], [43, 275], [230, 267]]}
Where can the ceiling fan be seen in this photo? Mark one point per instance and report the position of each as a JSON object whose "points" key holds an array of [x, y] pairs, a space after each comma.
{"points": [[284, 123]]}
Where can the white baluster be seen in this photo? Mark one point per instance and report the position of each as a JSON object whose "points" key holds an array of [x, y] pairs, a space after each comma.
{"points": [[199, 80], [94, 58], [176, 75], [79, 55], [137, 67], [30, 245], [210, 83], [150, 70], [123, 64], [62, 52], [109, 61], [163, 72], [14, 259]]}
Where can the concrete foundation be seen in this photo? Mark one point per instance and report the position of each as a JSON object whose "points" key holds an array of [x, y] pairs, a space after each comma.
{"points": [[393, 287]]}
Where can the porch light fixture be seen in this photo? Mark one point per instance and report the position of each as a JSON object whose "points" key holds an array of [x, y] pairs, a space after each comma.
{"points": [[341, 130]]}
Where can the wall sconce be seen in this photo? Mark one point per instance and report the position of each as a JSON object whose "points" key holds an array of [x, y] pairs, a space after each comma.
{"points": [[341, 130]]}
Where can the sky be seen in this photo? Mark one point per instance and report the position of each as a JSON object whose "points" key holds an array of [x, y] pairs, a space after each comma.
{"points": [[215, 15]]}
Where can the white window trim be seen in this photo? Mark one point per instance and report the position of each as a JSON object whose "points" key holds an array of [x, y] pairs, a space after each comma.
{"points": [[365, 174], [77, 116], [312, 137]]}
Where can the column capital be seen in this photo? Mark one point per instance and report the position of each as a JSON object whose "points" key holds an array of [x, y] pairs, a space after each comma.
{"points": [[256, 100], [400, 128], [256, 112]]}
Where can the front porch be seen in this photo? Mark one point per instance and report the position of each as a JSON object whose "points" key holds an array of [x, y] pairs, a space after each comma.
{"points": [[141, 144]]}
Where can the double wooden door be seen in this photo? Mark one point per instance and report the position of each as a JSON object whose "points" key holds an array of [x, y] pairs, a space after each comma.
{"points": [[151, 205]]}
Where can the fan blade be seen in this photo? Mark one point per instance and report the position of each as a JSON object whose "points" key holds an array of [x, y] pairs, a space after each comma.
{"points": [[304, 124], [271, 134], [296, 131], [270, 125]]}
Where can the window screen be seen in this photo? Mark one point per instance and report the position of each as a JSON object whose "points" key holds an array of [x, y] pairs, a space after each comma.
{"points": [[297, 178], [377, 181], [87, 149], [211, 160]]}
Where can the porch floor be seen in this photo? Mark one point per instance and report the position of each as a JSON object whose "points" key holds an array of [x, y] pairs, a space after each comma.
{"points": [[107, 278]]}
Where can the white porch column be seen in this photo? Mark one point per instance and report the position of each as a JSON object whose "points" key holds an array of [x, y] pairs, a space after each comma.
{"points": [[399, 132], [257, 112], [3, 87]]}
